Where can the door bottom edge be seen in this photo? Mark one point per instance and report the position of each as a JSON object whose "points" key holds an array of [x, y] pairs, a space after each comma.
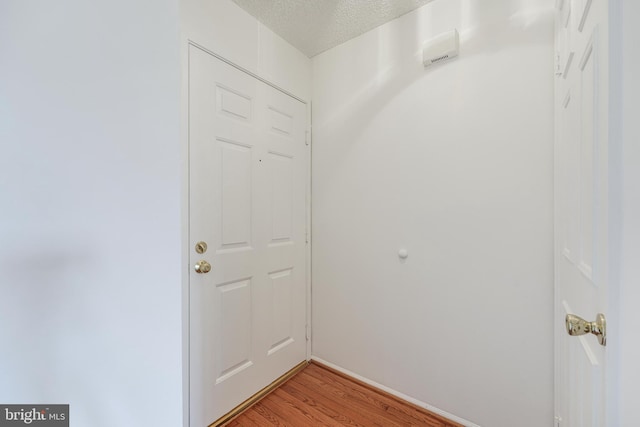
{"points": [[259, 395]]}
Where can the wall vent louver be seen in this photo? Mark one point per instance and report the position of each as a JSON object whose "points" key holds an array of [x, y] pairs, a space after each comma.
{"points": [[439, 59], [444, 46]]}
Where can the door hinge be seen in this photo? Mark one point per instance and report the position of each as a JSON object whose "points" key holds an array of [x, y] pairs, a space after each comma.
{"points": [[306, 332], [306, 237], [557, 70], [558, 421], [307, 138]]}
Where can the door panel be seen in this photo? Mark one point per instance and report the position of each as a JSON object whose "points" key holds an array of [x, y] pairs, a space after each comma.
{"points": [[248, 174], [281, 171], [235, 165], [581, 243], [234, 347]]}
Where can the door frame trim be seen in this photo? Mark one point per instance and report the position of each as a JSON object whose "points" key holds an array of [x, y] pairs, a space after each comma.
{"points": [[244, 70]]}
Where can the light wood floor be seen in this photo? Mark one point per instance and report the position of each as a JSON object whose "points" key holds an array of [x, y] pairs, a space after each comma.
{"points": [[320, 396]]}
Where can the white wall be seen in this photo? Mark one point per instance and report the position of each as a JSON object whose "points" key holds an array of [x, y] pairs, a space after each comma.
{"points": [[226, 29], [90, 209], [93, 179], [453, 163]]}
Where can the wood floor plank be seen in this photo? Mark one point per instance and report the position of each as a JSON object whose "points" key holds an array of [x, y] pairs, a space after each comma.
{"points": [[254, 418], [336, 410], [400, 410], [306, 409], [372, 400], [273, 418], [394, 401], [337, 399], [296, 417], [246, 419], [321, 396], [375, 415]]}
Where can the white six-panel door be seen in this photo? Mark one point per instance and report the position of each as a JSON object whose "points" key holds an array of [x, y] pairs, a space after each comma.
{"points": [[581, 213], [247, 193]]}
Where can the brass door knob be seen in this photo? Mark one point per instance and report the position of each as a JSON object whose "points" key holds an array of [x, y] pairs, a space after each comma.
{"points": [[577, 326], [202, 266]]}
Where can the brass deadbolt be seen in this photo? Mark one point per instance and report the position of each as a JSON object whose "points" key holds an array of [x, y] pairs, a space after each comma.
{"points": [[201, 247]]}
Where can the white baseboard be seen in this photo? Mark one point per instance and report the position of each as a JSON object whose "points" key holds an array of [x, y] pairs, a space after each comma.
{"points": [[397, 393]]}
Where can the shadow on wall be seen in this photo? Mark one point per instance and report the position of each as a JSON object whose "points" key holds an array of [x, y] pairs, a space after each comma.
{"points": [[54, 295], [396, 63]]}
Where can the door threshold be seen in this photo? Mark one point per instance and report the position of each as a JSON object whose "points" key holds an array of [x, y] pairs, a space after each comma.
{"points": [[259, 395]]}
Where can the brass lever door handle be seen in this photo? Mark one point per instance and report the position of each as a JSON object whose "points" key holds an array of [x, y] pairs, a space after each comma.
{"points": [[577, 326], [202, 266]]}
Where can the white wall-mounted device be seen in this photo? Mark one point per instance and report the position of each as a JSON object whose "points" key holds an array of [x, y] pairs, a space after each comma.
{"points": [[442, 47]]}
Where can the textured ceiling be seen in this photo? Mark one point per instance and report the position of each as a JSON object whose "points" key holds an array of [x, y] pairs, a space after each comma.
{"points": [[314, 26]]}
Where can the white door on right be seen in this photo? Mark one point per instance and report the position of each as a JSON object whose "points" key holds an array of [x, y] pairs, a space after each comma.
{"points": [[581, 211]]}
